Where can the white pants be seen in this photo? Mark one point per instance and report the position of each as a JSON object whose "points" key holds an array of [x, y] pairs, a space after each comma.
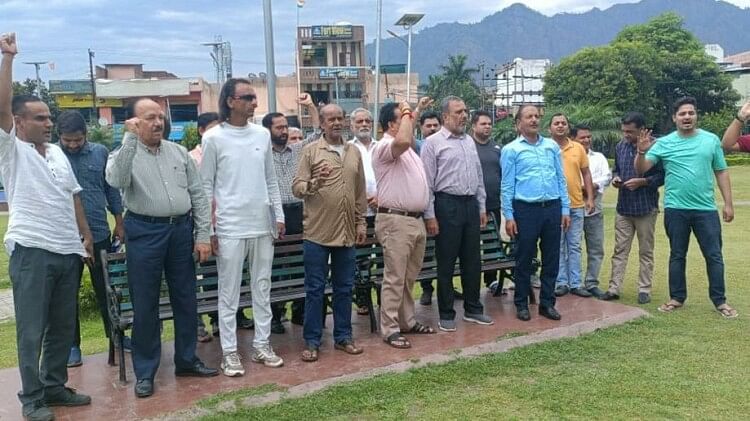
{"points": [[232, 254]]}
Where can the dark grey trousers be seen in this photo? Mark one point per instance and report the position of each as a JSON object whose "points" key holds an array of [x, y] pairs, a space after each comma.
{"points": [[45, 291]]}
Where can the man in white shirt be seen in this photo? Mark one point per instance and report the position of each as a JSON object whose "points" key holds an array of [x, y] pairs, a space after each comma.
{"points": [[593, 222], [43, 240], [238, 172], [361, 126]]}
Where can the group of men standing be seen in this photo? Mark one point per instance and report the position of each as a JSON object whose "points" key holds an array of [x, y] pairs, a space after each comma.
{"points": [[248, 185]]}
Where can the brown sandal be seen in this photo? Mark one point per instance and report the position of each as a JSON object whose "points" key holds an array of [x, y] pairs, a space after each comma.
{"points": [[420, 329], [670, 306], [727, 311], [310, 354], [397, 341], [349, 347]]}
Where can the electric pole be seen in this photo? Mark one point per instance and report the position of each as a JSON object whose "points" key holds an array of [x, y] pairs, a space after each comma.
{"points": [[222, 58], [92, 78], [36, 65]]}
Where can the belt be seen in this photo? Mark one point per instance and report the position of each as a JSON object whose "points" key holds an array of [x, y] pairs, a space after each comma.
{"points": [[400, 212], [542, 204], [171, 220], [454, 196]]}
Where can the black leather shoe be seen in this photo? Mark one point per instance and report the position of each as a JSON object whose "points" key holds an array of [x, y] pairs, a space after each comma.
{"points": [[144, 388], [549, 312], [197, 370], [426, 298], [580, 292], [245, 323], [523, 314], [608, 296], [561, 290], [277, 327]]}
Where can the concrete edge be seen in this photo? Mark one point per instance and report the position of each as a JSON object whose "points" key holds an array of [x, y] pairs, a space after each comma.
{"points": [[504, 345]]}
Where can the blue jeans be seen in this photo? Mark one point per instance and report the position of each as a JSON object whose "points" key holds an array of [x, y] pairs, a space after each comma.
{"points": [[342, 277], [707, 229], [569, 273]]}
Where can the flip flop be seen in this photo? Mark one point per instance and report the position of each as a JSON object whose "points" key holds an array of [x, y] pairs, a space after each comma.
{"points": [[727, 311], [670, 306], [310, 355]]}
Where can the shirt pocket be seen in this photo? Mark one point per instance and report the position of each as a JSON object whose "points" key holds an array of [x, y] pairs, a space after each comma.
{"points": [[92, 177], [180, 175]]}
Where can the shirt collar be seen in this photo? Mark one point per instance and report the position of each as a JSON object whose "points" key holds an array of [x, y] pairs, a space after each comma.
{"points": [[448, 135], [368, 148]]}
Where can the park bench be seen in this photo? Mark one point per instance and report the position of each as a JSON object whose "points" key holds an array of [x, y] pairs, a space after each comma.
{"points": [[496, 254], [287, 279]]}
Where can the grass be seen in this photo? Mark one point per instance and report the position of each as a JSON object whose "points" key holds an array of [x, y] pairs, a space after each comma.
{"points": [[689, 364]]}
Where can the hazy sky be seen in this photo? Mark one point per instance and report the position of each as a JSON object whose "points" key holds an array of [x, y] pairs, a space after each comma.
{"points": [[166, 34]]}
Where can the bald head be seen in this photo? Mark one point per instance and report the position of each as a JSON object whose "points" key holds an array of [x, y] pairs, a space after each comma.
{"points": [[332, 123], [150, 120]]}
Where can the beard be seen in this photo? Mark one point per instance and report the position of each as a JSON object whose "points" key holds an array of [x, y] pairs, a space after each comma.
{"points": [[280, 140], [363, 134]]}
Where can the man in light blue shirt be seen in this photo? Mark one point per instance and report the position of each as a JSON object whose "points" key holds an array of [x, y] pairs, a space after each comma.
{"points": [[535, 205], [692, 159]]}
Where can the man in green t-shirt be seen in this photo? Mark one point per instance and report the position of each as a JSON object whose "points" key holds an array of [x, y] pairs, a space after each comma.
{"points": [[692, 158]]}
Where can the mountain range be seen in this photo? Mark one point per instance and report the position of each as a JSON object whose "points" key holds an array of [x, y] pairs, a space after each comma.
{"points": [[518, 31]]}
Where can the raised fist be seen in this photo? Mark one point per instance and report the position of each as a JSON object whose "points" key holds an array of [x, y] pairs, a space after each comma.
{"points": [[8, 44]]}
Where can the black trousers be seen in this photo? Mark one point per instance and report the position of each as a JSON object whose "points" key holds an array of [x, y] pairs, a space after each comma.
{"points": [[458, 220], [45, 287], [100, 291], [537, 223], [293, 225]]}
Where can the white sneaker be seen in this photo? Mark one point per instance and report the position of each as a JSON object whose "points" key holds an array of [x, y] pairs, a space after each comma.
{"points": [[267, 357], [231, 365]]}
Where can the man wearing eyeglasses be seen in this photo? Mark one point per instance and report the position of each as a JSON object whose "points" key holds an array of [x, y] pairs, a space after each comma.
{"points": [[238, 172]]}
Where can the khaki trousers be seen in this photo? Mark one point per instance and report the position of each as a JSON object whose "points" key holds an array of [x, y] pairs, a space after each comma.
{"points": [[626, 227], [403, 239]]}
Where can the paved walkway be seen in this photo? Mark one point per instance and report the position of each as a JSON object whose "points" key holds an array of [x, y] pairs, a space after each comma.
{"points": [[6, 305], [175, 398]]}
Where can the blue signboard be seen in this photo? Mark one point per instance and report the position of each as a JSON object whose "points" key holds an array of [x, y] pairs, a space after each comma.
{"points": [[76, 86]]}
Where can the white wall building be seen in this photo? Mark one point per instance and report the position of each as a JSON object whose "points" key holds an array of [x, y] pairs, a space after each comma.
{"points": [[521, 81]]}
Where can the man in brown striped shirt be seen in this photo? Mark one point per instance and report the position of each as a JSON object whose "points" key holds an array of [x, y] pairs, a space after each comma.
{"points": [[331, 182]]}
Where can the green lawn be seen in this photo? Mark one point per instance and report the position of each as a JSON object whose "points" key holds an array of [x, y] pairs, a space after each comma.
{"points": [[690, 364]]}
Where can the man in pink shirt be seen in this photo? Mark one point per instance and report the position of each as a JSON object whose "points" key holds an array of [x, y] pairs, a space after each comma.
{"points": [[733, 140], [403, 194]]}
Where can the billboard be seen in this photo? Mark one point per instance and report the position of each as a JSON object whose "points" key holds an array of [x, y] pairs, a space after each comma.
{"points": [[343, 73], [332, 32], [75, 86], [84, 101]]}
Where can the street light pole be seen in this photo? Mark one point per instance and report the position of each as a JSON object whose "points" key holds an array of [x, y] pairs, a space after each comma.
{"points": [[408, 67], [379, 25], [270, 65], [408, 21]]}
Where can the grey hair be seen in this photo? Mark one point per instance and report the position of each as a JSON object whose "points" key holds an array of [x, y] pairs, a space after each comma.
{"points": [[446, 102], [358, 111], [292, 129]]}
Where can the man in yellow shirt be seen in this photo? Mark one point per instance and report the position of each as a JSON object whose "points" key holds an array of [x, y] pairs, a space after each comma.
{"points": [[575, 163]]}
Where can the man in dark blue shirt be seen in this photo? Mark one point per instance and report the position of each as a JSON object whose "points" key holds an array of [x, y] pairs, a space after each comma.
{"points": [[88, 161], [637, 206]]}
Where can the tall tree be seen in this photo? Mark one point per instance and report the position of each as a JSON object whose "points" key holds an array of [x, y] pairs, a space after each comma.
{"points": [[645, 68], [456, 79]]}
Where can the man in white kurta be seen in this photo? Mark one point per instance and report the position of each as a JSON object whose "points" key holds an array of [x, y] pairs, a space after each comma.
{"points": [[238, 172]]}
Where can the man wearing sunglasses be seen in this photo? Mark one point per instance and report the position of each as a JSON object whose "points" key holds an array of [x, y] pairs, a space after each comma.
{"points": [[238, 172]]}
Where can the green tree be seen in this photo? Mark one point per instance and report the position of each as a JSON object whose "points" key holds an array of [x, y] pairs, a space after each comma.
{"points": [[190, 137], [504, 131], [103, 135], [603, 119], [645, 68], [456, 79], [718, 122]]}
